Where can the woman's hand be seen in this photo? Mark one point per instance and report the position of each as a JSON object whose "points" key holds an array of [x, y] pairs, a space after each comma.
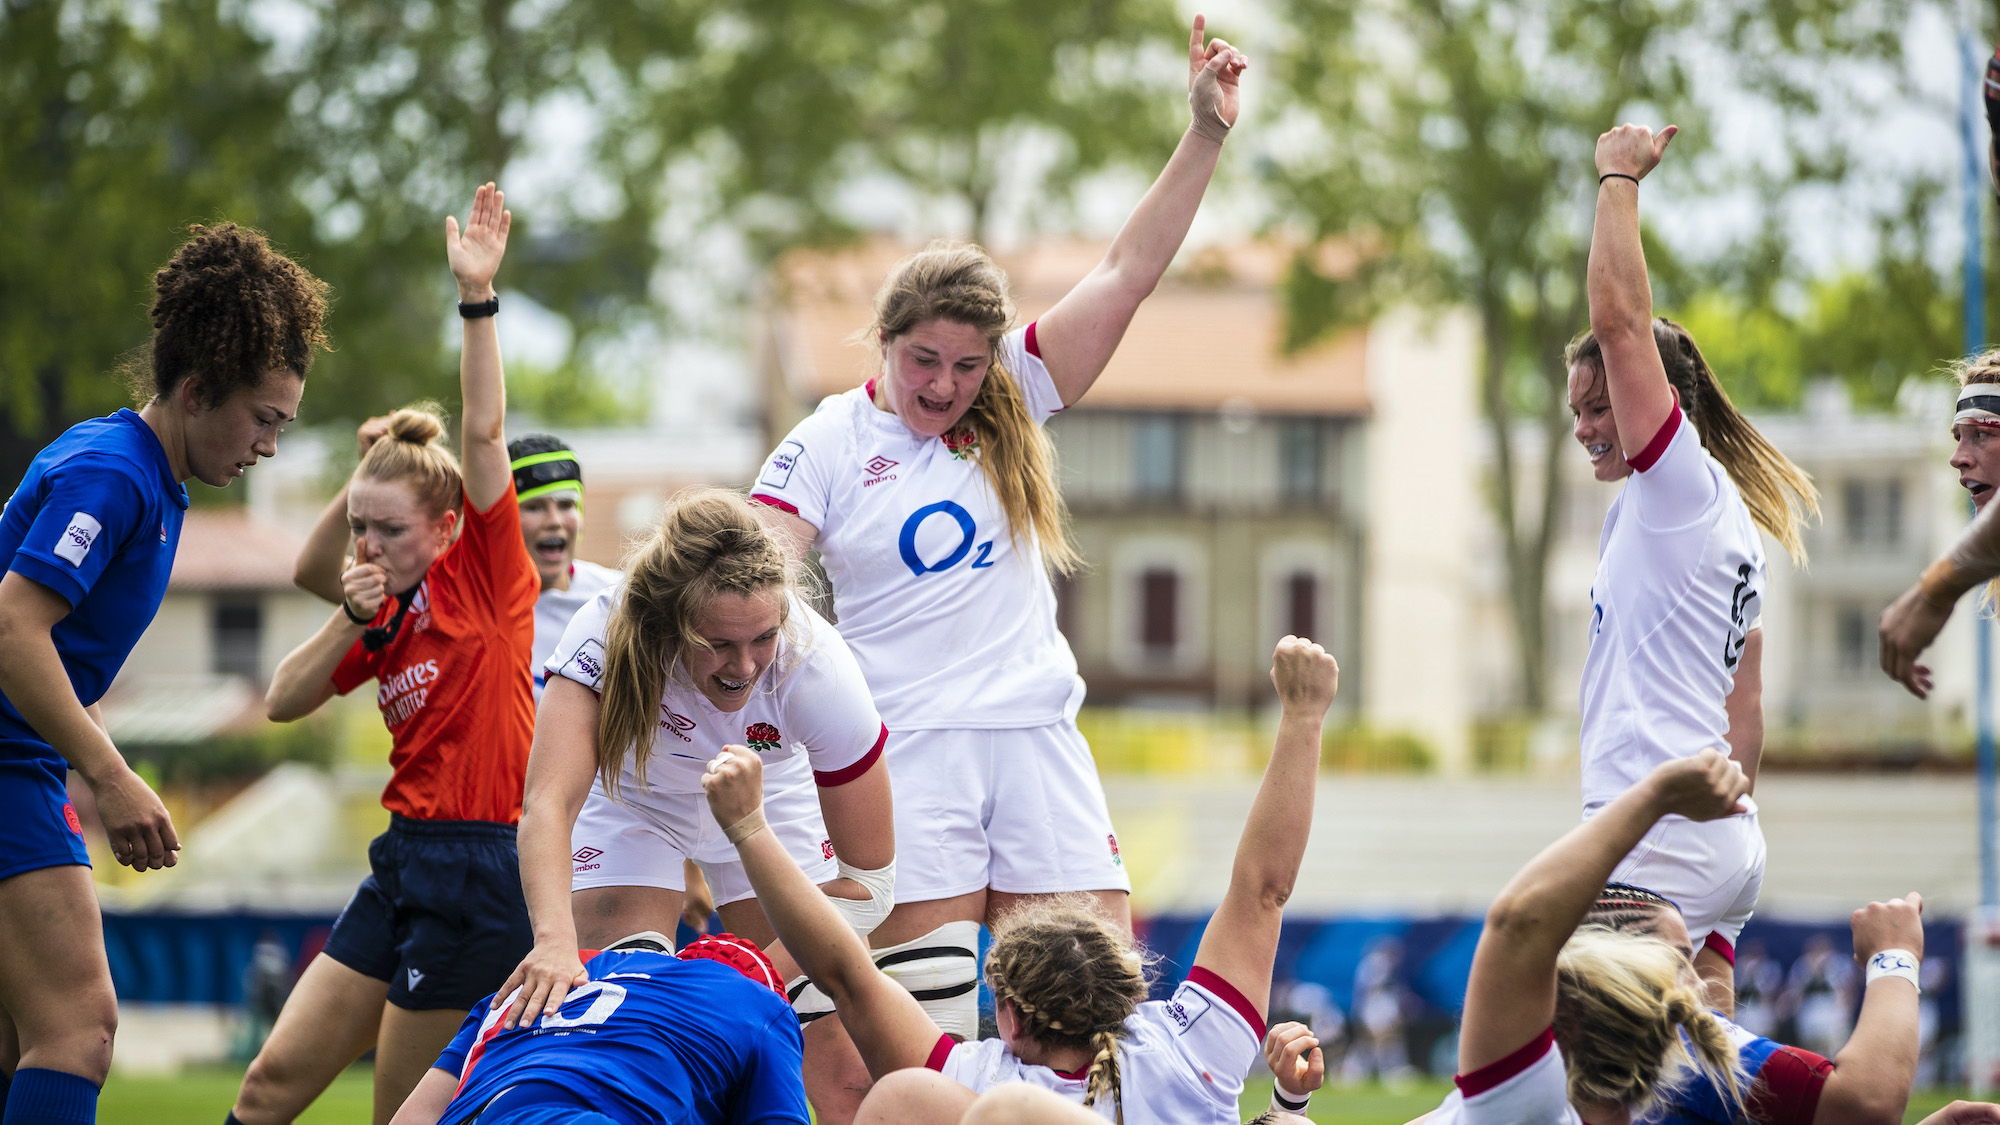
{"points": [[1306, 675], [734, 784], [1708, 786], [370, 432], [1907, 628], [544, 977], [1965, 1113], [364, 586], [1214, 93], [142, 834], [1632, 150], [1295, 1058], [1896, 924], [475, 255]]}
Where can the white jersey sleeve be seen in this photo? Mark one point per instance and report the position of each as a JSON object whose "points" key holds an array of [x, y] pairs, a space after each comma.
{"points": [[1672, 483], [579, 655], [1021, 354], [554, 609], [826, 702], [797, 476], [1528, 1087]]}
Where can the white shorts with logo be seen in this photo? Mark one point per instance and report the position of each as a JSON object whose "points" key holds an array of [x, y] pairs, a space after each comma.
{"points": [[640, 839], [1017, 810], [1713, 870]]}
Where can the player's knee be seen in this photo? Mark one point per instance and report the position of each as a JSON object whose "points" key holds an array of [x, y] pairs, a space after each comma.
{"points": [[80, 1044], [913, 1096], [940, 969]]}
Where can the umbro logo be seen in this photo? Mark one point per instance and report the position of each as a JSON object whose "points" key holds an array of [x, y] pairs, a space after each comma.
{"points": [[585, 855], [878, 468]]}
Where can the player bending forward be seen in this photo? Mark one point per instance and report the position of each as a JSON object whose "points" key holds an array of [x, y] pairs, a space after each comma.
{"points": [[651, 1038], [1070, 984]]}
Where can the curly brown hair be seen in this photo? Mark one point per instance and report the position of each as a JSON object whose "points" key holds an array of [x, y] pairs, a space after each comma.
{"points": [[226, 309], [1073, 977]]}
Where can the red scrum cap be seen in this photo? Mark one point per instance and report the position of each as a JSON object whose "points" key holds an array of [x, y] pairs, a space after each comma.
{"points": [[739, 953]]}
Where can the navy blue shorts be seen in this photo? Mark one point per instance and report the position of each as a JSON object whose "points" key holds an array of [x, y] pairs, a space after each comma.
{"points": [[38, 825], [440, 916]]}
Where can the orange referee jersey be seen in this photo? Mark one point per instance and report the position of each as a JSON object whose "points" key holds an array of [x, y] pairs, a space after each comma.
{"points": [[454, 684]]}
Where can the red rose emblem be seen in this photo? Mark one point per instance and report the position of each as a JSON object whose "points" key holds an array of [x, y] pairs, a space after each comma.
{"points": [[763, 737], [69, 815], [826, 848], [961, 442]]}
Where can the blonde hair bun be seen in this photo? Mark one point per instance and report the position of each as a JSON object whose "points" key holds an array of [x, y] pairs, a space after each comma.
{"points": [[413, 454], [421, 424]]}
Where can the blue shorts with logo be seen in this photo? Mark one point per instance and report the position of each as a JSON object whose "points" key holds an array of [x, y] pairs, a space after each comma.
{"points": [[38, 825], [440, 916]]}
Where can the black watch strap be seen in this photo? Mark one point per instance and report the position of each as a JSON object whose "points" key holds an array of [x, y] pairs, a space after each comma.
{"points": [[488, 307], [347, 609]]}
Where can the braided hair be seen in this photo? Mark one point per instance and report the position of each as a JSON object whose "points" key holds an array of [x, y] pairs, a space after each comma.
{"points": [[1073, 978]]}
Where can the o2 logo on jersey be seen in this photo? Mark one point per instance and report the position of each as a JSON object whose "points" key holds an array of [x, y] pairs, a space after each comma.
{"points": [[968, 531]]}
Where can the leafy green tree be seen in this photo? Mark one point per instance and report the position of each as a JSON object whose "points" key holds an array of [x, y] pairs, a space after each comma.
{"points": [[1450, 141]]}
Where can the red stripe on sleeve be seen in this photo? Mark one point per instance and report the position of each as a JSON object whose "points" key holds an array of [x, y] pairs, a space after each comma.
{"points": [[1650, 455], [1497, 1073], [1721, 945], [940, 1051], [1033, 345], [831, 778], [1787, 1089], [1228, 995], [773, 501]]}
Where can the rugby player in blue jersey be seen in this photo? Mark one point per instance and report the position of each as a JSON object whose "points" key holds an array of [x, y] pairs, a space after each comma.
{"points": [[89, 538], [702, 1038]]}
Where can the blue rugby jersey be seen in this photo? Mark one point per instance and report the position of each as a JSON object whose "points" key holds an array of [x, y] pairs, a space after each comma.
{"points": [[97, 519], [1781, 1086], [651, 1040]]}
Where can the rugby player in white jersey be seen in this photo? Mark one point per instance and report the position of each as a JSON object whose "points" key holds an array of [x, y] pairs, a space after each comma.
{"points": [[931, 496], [1070, 984], [705, 643], [1679, 588]]}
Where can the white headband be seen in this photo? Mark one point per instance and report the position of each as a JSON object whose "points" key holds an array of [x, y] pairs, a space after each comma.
{"points": [[1978, 405]]}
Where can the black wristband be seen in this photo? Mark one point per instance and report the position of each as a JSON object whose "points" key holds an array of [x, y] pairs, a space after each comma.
{"points": [[353, 616], [1600, 183], [488, 307], [1279, 1099]]}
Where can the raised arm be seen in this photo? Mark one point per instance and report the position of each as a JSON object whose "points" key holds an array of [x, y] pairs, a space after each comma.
{"points": [[1077, 336], [1914, 620], [889, 1027], [1241, 942], [475, 257], [1874, 1071], [1511, 997], [560, 767], [1621, 300]]}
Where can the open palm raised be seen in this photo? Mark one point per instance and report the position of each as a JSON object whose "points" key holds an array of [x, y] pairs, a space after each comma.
{"points": [[475, 254]]}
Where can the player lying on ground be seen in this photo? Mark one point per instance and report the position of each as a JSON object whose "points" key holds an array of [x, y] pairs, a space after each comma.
{"points": [[1675, 649], [1564, 1025], [1867, 1083], [1070, 984], [705, 1038]]}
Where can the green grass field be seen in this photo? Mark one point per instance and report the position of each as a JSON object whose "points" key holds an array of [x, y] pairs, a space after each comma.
{"points": [[202, 1097]]}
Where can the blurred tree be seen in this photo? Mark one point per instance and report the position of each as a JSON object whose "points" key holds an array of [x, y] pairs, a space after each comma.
{"points": [[114, 136], [346, 128], [1452, 141]]}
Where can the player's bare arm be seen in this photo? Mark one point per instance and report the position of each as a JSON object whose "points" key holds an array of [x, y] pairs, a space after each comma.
{"points": [[1241, 942], [1511, 996], [1621, 299], [33, 679], [427, 1102], [475, 257], [1876, 1068], [560, 767], [326, 552], [1078, 336], [1915, 618], [889, 1027]]}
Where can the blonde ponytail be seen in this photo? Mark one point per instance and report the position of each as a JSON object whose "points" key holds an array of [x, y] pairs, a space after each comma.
{"points": [[1103, 1074], [1779, 494], [1622, 1001], [959, 282]]}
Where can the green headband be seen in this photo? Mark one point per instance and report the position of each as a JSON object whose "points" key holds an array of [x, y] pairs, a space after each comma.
{"points": [[539, 474]]}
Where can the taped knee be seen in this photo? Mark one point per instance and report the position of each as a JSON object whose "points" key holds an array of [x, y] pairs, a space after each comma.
{"points": [[940, 969]]}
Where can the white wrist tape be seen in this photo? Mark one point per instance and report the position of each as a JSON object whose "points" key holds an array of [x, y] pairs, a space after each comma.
{"points": [[1893, 963], [866, 914]]}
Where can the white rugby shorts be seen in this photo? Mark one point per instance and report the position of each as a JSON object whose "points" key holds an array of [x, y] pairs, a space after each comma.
{"points": [[1017, 810], [1713, 870], [641, 839]]}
